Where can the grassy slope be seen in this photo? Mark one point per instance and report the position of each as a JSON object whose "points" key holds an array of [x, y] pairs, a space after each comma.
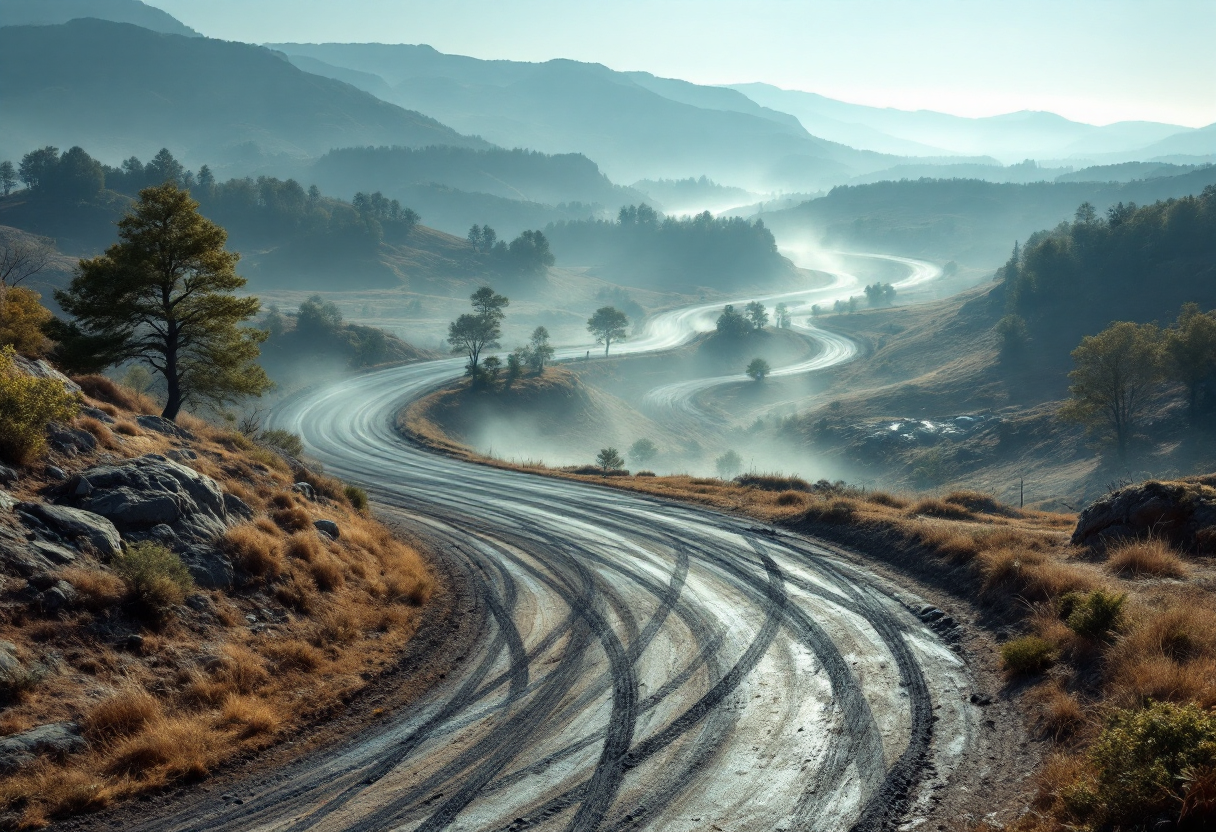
{"points": [[205, 687]]}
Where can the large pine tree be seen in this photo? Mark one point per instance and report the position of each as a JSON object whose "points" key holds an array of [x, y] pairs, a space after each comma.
{"points": [[163, 295]]}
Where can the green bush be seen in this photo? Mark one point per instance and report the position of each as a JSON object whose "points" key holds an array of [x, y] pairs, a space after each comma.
{"points": [[1145, 761], [155, 577], [27, 406], [1095, 614], [356, 496], [283, 440], [1027, 655]]}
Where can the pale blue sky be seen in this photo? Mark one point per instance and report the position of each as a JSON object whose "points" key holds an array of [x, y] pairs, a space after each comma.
{"points": [[1091, 60]]}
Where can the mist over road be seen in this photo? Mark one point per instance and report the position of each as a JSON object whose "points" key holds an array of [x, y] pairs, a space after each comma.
{"points": [[641, 664]]}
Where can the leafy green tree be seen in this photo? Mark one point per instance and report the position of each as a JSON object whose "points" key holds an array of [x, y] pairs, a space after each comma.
{"points": [[165, 169], [540, 352], [758, 369], [491, 369], [609, 459], [1014, 336], [642, 451], [1114, 382], [732, 325], [781, 316], [163, 295], [318, 317], [608, 324], [8, 177], [880, 294], [1086, 214], [36, 164], [1190, 350], [757, 314], [516, 362], [480, 330], [729, 465]]}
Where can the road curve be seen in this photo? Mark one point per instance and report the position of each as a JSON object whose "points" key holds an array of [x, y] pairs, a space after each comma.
{"points": [[642, 665], [676, 403]]}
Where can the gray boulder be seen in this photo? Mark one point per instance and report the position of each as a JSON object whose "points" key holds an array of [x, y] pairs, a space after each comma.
{"points": [[57, 739], [237, 508], [54, 472], [79, 527], [209, 566], [1183, 512], [7, 475], [70, 441], [9, 663], [99, 415], [328, 527], [41, 369], [163, 425], [140, 494], [17, 555], [6, 501], [305, 489]]}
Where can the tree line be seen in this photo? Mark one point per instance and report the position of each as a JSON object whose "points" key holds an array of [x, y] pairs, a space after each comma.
{"points": [[643, 247]]}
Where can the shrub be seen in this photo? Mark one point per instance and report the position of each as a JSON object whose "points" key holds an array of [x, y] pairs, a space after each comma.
{"points": [[773, 482], [933, 507], [254, 551], [95, 588], [21, 320], [644, 474], [356, 496], [327, 573], [99, 430], [155, 577], [107, 390], [1027, 655], [27, 406], [294, 519], [790, 498], [176, 747], [1095, 614], [249, 715], [283, 440], [834, 511], [121, 715], [1148, 763]]}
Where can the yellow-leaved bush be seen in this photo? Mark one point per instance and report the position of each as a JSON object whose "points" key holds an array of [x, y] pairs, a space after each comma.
{"points": [[27, 405], [21, 319]]}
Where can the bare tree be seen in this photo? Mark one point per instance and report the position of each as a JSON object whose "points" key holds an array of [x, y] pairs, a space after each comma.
{"points": [[23, 258]]}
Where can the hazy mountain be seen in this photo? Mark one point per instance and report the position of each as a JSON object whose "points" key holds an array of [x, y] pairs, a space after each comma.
{"points": [[634, 125], [43, 12], [121, 89], [1201, 142], [967, 220], [1126, 172], [1010, 137]]}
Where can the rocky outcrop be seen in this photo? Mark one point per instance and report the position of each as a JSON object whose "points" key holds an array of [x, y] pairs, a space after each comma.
{"points": [[57, 739], [163, 425], [41, 369], [62, 524], [1183, 512], [141, 494]]}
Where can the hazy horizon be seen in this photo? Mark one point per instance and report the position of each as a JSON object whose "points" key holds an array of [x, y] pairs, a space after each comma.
{"points": [[1094, 61]]}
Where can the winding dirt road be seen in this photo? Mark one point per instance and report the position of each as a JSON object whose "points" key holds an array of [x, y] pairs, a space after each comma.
{"points": [[641, 664]]}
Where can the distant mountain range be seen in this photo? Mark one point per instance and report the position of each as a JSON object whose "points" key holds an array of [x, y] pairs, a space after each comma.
{"points": [[634, 125], [124, 89], [43, 12]]}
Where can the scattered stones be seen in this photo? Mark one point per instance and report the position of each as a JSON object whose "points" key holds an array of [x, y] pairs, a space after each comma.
{"points": [[56, 739], [163, 425], [1184, 512], [328, 528], [79, 527]]}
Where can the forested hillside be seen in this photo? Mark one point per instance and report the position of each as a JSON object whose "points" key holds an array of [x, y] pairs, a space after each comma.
{"points": [[643, 248]]}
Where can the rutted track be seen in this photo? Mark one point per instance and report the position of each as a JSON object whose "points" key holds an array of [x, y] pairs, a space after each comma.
{"points": [[642, 664]]}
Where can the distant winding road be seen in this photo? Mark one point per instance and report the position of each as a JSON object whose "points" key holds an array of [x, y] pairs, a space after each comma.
{"points": [[641, 664]]}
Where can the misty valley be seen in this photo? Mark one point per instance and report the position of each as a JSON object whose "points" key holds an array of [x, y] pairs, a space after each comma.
{"points": [[399, 438]]}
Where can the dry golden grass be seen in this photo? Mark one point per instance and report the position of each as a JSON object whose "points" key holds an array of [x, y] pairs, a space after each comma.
{"points": [[1145, 558], [98, 429], [1061, 714], [254, 550], [204, 688]]}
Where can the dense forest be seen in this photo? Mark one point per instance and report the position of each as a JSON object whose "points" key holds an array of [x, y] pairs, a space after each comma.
{"points": [[75, 199], [644, 248], [1129, 264]]}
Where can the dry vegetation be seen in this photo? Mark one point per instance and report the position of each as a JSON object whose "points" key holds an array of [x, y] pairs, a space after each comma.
{"points": [[1116, 663], [166, 697]]}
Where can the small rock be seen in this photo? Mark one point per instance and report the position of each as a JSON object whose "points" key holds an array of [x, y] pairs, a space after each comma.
{"points": [[163, 533], [98, 414], [199, 603], [9, 663], [56, 473], [57, 739], [237, 508], [328, 528], [162, 425], [70, 440], [59, 597], [80, 487], [208, 565], [7, 475], [982, 701], [306, 489], [6, 501], [42, 581], [181, 455], [134, 643]]}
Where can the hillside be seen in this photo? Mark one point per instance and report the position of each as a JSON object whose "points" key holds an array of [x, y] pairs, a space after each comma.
{"points": [[618, 119], [47, 12], [177, 597], [967, 220], [122, 89]]}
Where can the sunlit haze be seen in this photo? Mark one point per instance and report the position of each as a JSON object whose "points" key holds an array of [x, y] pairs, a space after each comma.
{"points": [[1097, 61]]}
